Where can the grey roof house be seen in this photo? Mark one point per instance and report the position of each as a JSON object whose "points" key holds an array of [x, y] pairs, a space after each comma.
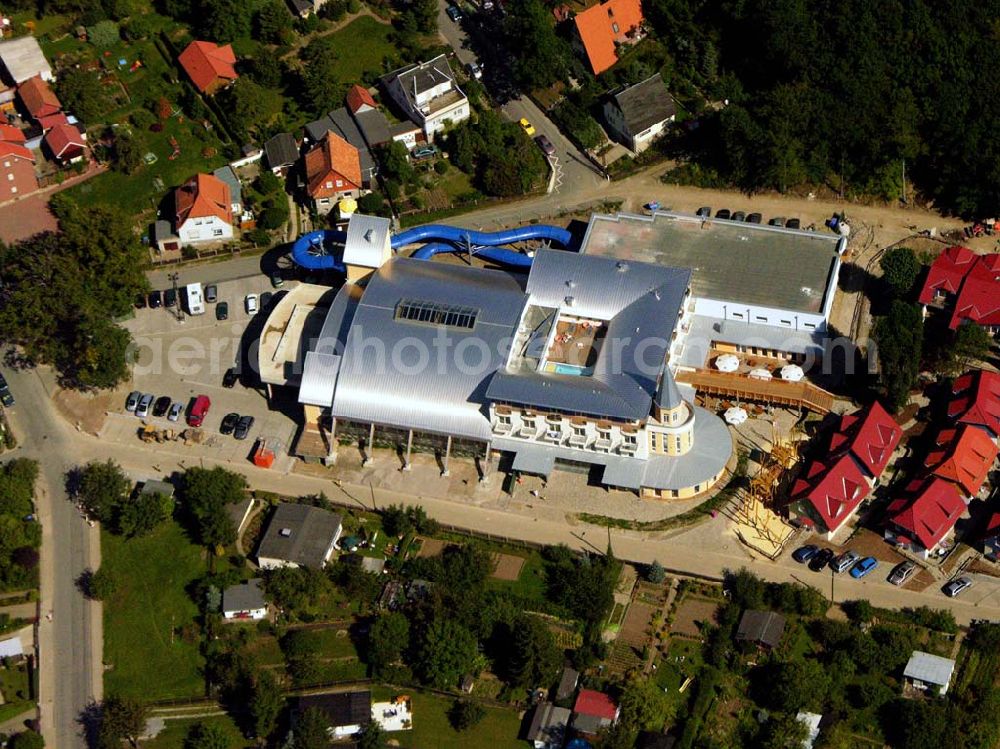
{"points": [[639, 114], [22, 58], [548, 726], [347, 712], [339, 121], [567, 683], [299, 536], [244, 601], [228, 175], [428, 94], [281, 152], [762, 628], [928, 673]]}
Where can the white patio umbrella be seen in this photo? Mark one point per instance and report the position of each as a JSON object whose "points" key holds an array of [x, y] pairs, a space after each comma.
{"points": [[727, 363], [792, 372], [760, 374], [735, 416]]}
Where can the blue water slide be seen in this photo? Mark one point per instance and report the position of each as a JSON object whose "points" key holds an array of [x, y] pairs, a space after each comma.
{"points": [[494, 254], [315, 250], [439, 232]]}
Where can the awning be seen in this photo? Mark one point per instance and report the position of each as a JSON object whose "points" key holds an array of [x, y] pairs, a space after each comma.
{"points": [[537, 462]]}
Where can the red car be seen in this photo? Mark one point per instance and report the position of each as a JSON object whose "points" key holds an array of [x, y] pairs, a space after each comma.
{"points": [[199, 410]]}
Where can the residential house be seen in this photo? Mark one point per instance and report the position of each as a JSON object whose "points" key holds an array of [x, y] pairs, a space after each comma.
{"points": [[963, 456], [870, 435], [12, 648], [347, 712], [639, 114], [593, 711], [923, 518], [428, 94], [333, 172], [228, 175], [945, 275], [567, 683], [299, 536], [22, 58], [975, 399], [17, 165], [341, 122], [360, 99], [203, 210], [762, 628], [244, 601], [812, 722], [38, 99], [65, 143], [368, 245], [928, 673], [968, 283], [211, 67], [548, 726], [603, 26], [306, 8], [281, 152]]}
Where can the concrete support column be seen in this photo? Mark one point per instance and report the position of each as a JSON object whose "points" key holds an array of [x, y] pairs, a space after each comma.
{"points": [[447, 455], [409, 447], [369, 454], [331, 457]]}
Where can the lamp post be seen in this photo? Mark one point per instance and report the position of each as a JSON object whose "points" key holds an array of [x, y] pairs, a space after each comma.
{"points": [[177, 302]]}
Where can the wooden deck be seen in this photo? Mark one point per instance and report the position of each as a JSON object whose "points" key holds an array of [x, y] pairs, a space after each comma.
{"points": [[775, 392]]}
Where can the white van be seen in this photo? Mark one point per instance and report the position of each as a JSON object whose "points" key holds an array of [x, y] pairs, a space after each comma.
{"points": [[195, 299]]}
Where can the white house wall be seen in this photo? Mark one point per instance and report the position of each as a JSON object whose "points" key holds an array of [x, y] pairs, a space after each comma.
{"points": [[211, 229]]}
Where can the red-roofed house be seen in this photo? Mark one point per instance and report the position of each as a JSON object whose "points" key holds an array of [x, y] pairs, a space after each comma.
{"points": [[333, 171], [600, 27], [976, 400], [945, 276], [203, 210], [359, 99], [65, 143], [870, 436], [826, 496], [209, 66], [922, 519], [17, 166], [593, 711], [963, 456], [38, 99], [49, 121], [11, 134], [971, 282]]}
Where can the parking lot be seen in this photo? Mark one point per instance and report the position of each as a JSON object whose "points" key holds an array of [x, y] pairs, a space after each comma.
{"points": [[183, 356]]}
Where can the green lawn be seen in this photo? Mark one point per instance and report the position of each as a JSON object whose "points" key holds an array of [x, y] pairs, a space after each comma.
{"points": [[365, 43], [172, 737], [16, 691], [431, 730], [142, 623], [530, 584]]}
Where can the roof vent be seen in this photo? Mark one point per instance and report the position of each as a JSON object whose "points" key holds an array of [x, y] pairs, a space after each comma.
{"points": [[656, 294], [621, 266], [570, 301], [368, 235], [285, 532], [570, 284]]}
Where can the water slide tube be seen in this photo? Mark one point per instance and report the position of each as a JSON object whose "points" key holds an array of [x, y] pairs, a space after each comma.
{"points": [[312, 250]]}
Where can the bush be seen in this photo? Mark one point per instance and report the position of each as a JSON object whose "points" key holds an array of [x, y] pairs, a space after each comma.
{"points": [[464, 714], [441, 166], [104, 34], [101, 585]]}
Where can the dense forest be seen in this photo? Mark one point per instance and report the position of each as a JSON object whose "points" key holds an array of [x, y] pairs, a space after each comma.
{"points": [[846, 93]]}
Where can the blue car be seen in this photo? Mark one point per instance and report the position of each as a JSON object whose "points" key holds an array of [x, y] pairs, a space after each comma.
{"points": [[863, 567]]}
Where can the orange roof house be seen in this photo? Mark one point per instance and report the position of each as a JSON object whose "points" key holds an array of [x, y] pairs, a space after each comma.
{"points": [[359, 99], [17, 167], [65, 142], [209, 66], [602, 26], [333, 170], [38, 99], [203, 196], [10, 134], [963, 456]]}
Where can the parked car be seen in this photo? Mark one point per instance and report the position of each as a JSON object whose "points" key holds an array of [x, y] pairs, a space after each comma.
{"points": [[277, 280], [265, 299], [902, 572], [142, 409], [845, 561], [222, 311], [454, 13], [425, 152], [777, 221], [863, 567], [229, 422], [6, 397], [526, 126], [546, 145], [705, 211], [738, 216], [211, 293], [199, 410], [140, 301], [805, 553], [243, 427], [133, 400], [230, 378], [161, 406], [793, 223], [155, 299], [722, 213], [956, 586], [821, 559], [754, 218], [170, 298], [175, 412], [474, 70], [251, 304]]}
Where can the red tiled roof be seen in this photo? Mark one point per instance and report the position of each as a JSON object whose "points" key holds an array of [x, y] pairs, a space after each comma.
{"points": [[203, 196], [964, 456], [979, 298], [15, 149], [64, 141], [601, 25], [11, 134], [835, 491], [870, 435], [947, 272], [50, 121], [929, 512], [597, 704], [332, 159], [976, 400], [208, 64], [358, 96], [38, 98]]}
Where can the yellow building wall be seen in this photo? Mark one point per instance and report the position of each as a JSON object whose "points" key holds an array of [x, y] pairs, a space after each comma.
{"points": [[357, 273]]}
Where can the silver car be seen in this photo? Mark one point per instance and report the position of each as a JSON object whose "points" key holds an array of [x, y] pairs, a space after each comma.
{"points": [[142, 410], [175, 411], [133, 400], [902, 572], [845, 561], [956, 586]]}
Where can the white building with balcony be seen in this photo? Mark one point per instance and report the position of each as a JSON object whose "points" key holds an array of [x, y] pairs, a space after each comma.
{"points": [[429, 95]]}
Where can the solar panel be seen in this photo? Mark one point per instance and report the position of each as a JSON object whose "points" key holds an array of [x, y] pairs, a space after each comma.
{"points": [[433, 313]]}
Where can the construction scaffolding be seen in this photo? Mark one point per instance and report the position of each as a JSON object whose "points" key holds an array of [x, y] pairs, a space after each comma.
{"points": [[758, 525]]}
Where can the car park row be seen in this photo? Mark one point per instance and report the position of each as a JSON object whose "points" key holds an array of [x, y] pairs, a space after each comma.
{"points": [[725, 214]]}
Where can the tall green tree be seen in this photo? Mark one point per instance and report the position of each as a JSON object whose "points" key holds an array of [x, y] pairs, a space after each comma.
{"points": [[970, 344], [447, 652], [266, 702], [539, 54], [319, 75], [899, 346], [27, 740], [273, 23], [388, 639], [207, 736], [900, 269], [122, 719], [102, 488], [82, 94], [310, 730], [533, 658], [207, 493], [226, 20]]}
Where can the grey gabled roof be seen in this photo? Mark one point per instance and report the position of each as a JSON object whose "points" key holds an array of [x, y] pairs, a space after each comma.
{"points": [[243, 597], [342, 709], [281, 150], [645, 104], [567, 683], [367, 237], [548, 724], [317, 129], [374, 127], [640, 303], [761, 627], [23, 58], [345, 126], [423, 76], [301, 534], [155, 486], [228, 175], [930, 669]]}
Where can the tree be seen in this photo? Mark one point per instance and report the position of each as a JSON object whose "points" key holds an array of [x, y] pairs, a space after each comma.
{"points": [[103, 34], [122, 719], [388, 639], [310, 730], [898, 337], [917, 724], [273, 23], [464, 714], [395, 521], [126, 151], [533, 658], [27, 740], [447, 651], [102, 584], [783, 731], [275, 213], [251, 107], [319, 75], [81, 92], [656, 574], [371, 737], [207, 736], [540, 55], [796, 685], [266, 702], [207, 492], [645, 706], [102, 489], [266, 71], [971, 343], [226, 20], [143, 514], [900, 269]]}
